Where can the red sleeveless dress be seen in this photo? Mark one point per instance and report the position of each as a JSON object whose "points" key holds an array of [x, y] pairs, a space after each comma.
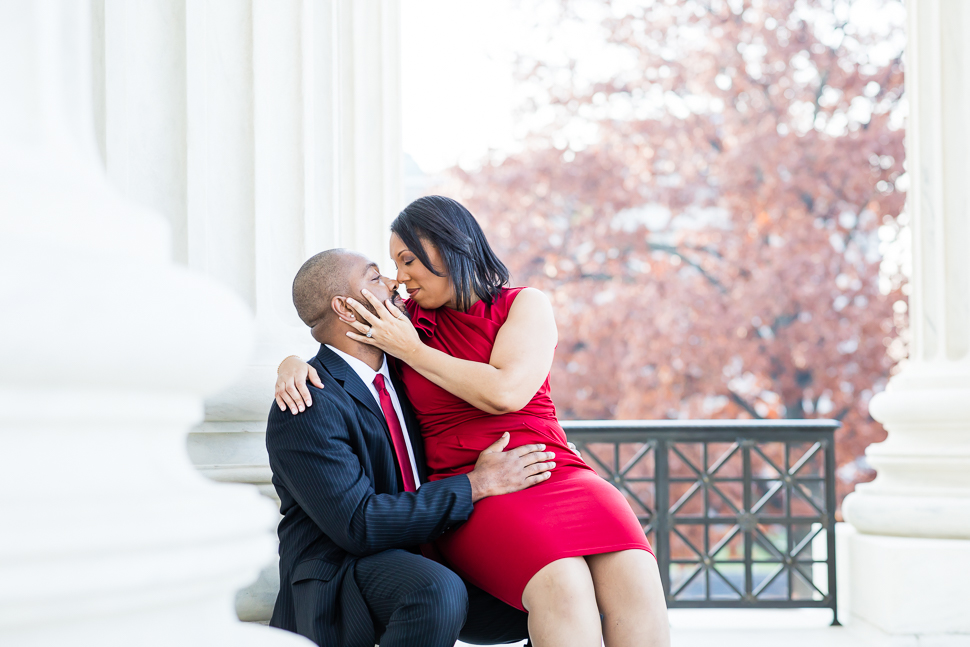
{"points": [[509, 538]]}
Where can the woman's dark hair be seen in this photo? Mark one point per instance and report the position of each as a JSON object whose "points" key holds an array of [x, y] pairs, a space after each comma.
{"points": [[474, 268]]}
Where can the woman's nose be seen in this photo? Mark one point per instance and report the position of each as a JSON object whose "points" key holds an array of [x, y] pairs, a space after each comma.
{"points": [[401, 276]]}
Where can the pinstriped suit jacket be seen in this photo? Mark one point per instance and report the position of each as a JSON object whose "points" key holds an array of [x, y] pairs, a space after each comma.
{"points": [[342, 498]]}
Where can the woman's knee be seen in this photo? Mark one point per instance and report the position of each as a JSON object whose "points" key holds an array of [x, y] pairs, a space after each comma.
{"points": [[626, 577], [565, 584], [630, 595]]}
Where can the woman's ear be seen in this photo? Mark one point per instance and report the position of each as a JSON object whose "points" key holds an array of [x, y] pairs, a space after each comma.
{"points": [[344, 312]]}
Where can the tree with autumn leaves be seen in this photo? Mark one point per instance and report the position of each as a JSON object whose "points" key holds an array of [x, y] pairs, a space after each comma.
{"points": [[711, 220]]}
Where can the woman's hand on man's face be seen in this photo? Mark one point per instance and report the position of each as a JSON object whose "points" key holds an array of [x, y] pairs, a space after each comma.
{"points": [[390, 330]]}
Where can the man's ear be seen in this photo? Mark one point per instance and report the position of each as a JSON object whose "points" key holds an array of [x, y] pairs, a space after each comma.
{"points": [[344, 312]]}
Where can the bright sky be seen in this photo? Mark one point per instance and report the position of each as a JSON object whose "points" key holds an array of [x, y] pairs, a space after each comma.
{"points": [[458, 91], [459, 94]]}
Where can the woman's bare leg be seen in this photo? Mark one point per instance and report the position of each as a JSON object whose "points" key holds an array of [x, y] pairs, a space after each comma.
{"points": [[562, 605], [631, 598]]}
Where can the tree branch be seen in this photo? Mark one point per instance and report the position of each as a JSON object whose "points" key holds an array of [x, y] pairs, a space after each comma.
{"points": [[672, 249], [741, 402]]}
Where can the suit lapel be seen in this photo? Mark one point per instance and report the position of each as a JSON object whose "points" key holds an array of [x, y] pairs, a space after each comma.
{"points": [[352, 383]]}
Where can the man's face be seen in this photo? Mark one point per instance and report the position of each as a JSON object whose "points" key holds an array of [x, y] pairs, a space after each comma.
{"points": [[366, 275]]}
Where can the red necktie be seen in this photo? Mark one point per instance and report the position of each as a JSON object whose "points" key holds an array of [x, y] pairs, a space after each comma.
{"points": [[397, 434]]}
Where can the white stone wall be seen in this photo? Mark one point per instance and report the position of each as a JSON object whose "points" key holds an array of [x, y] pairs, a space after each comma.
{"points": [[264, 131], [108, 535], [911, 555]]}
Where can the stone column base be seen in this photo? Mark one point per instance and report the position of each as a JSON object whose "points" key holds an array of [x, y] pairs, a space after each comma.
{"points": [[913, 590], [862, 634], [232, 452]]}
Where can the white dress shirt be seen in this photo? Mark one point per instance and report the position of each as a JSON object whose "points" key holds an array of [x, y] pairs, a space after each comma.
{"points": [[367, 375]]}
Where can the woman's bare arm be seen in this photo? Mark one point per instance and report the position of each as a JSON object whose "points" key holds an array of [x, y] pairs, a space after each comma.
{"points": [[520, 361]]}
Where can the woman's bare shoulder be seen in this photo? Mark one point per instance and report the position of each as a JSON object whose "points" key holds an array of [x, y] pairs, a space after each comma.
{"points": [[531, 296], [530, 320], [530, 302]]}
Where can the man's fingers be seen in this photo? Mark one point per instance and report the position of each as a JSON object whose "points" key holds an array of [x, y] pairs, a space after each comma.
{"points": [[499, 445], [538, 457], [538, 478], [315, 377], [541, 467], [528, 449]]}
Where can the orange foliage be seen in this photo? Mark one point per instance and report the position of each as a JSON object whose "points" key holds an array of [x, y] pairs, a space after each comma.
{"points": [[722, 259]]}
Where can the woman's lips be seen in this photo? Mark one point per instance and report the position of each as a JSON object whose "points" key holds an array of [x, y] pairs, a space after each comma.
{"points": [[411, 291]]}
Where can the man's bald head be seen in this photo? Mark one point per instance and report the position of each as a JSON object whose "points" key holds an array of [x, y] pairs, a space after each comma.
{"points": [[323, 277]]}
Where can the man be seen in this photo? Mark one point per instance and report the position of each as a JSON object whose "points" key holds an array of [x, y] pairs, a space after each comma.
{"points": [[357, 509]]}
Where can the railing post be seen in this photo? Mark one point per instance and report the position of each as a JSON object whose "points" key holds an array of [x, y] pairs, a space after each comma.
{"points": [[830, 529], [745, 448], [661, 524]]}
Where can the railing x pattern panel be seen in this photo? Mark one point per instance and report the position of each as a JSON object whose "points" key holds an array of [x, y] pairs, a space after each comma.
{"points": [[741, 513]]}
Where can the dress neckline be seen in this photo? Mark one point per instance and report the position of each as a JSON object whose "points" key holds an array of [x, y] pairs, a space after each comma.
{"points": [[424, 320], [427, 320]]}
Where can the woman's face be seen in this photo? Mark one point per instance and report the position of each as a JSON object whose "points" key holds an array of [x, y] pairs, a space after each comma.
{"points": [[428, 290]]}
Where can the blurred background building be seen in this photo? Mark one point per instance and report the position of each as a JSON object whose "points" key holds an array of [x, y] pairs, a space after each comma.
{"points": [[714, 193]]}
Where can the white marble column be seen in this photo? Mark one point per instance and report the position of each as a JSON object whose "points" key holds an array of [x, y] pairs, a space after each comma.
{"points": [[108, 535], [911, 554], [265, 131]]}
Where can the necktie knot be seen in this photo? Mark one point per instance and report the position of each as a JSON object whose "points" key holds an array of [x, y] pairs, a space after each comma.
{"points": [[379, 383]]}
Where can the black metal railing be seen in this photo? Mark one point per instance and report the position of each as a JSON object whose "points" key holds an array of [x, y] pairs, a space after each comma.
{"points": [[740, 513]]}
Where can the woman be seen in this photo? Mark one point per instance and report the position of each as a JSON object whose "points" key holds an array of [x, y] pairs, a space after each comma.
{"points": [[475, 361]]}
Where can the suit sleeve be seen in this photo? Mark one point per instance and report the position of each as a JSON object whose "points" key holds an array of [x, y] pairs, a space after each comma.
{"points": [[312, 456]]}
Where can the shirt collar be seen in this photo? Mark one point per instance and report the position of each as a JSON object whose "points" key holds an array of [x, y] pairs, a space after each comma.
{"points": [[363, 371]]}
